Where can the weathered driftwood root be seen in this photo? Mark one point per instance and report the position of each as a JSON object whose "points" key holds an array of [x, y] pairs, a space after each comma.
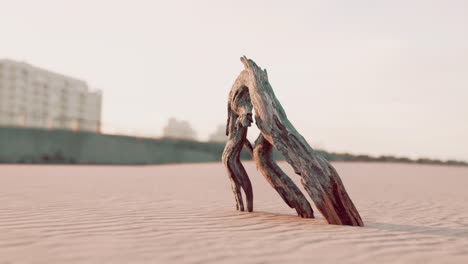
{"points": [[286, 188], [319, 178], [239, 118]]}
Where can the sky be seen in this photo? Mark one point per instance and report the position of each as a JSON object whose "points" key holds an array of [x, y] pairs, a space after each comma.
{"points": [[366, 77]]}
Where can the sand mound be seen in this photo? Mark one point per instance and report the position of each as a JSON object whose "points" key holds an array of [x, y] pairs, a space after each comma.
{"points": [[186, 214]]}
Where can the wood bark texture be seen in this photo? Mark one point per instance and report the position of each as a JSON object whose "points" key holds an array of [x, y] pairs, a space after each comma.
{"points": [[239, 118], [285, 187], [319, 178]]}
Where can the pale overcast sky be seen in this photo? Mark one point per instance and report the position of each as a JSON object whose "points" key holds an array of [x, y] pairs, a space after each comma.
{"points": [[373, 77]]}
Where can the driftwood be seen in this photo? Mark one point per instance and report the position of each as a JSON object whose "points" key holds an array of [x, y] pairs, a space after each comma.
{"points": [[239, 118], [285, 187], [321, 181]]}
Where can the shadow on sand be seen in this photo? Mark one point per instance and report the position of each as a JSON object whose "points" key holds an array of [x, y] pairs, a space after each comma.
{"points": [[290, 219]]}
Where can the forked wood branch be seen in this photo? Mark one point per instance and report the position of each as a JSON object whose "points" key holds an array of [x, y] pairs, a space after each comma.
{"points": [[320, 179]]}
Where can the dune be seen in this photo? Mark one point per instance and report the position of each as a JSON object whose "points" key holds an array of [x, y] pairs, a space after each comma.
{"points": [[186, 214]]}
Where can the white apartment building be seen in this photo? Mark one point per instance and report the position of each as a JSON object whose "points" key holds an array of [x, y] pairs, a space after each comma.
{"points": [[34, 97]]}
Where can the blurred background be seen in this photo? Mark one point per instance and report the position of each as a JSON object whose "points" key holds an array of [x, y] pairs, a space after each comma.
{"points": [[371, 80]]}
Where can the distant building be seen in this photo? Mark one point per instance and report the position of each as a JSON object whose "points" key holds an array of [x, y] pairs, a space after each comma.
{"points": [[34, 97], [219, 135], [179, 130]]}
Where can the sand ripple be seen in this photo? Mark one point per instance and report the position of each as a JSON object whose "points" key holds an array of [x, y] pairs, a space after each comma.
{"points": [[185, 214]]}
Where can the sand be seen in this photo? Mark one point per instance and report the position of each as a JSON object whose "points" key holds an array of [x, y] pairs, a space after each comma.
{"points": [[186, 214]]}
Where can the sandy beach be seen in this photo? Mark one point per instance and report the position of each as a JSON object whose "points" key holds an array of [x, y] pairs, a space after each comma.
{"points": [[186, 214]]}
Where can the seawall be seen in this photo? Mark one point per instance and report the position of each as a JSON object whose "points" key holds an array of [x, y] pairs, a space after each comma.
{"points": [[29, 145]]}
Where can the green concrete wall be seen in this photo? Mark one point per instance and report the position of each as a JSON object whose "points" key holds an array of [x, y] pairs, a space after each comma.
{"points": [[26, 145]]}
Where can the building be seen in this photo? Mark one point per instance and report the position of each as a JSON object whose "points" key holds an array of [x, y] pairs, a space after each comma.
{"points": [[34, 97], [179, 130]]}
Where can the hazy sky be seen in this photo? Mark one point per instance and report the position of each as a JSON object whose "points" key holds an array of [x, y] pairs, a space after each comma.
{"points": [[375, 77]]}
